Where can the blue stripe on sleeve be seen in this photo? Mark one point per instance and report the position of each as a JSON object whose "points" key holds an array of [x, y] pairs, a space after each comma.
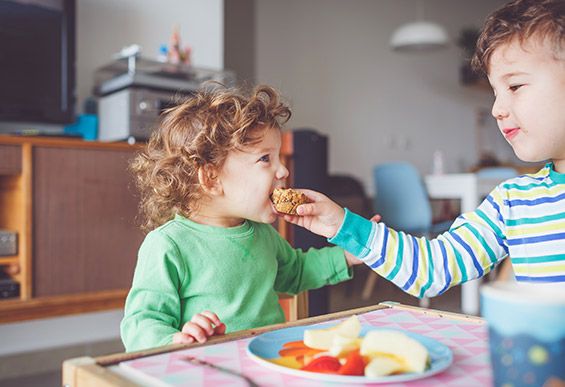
{"points": [[424, 288], [414, 265], [445, 268], [470, 252], [381, 260], [496, 207]]}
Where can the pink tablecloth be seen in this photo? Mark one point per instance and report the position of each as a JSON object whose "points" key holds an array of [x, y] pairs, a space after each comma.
{"points": [[467, 340]]}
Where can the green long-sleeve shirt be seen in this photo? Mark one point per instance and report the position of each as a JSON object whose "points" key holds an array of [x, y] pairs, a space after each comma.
{"points": [[185, 268]]}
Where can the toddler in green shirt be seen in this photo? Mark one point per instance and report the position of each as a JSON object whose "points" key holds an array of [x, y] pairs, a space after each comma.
{"points": [[212, 263]]}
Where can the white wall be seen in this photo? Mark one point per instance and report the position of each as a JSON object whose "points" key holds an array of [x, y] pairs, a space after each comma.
{"points": [[103, 28], [331, 59]]}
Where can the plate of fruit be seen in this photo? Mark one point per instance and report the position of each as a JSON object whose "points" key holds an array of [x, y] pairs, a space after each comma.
{"points": [[350, 352]]}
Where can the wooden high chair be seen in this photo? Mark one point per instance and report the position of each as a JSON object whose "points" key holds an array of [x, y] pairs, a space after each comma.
{"points": [[294, 307]]}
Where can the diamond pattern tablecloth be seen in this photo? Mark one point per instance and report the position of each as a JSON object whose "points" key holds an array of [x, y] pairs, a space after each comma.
{"points": [[466, 338]]}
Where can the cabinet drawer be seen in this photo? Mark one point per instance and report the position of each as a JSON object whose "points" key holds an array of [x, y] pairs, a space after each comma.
{"points": [[10, 159]]}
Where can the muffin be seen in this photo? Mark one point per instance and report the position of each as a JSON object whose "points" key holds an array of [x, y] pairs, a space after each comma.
{"points": [[286, 200]]}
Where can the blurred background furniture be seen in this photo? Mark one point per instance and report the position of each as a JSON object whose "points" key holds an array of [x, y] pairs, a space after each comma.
{"points": [[308, 168], [73, 206], [402, 201], [349, 192], [499, 173]]}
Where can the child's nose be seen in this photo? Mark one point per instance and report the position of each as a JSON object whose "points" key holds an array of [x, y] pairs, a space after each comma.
{"points": [[282, 172], [498, 110]]}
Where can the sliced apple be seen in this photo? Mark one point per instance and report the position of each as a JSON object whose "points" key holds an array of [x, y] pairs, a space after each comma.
{"points": [[323, 338], [382, 366], [319, 338], [342, 345], [350, 327], [412, 355]]}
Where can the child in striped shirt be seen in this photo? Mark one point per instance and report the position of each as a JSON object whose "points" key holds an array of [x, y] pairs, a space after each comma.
{"points": [[522, 50]]}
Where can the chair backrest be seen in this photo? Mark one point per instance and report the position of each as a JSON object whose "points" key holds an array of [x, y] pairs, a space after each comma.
{"points": [[401, 197], [501, 173]]}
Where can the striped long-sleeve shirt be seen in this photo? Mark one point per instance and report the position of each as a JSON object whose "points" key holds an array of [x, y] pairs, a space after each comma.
{"points": [[523, 218]]}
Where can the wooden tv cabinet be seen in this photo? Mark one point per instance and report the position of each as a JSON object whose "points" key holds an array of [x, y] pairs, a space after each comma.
{"points": [[74, 207]]}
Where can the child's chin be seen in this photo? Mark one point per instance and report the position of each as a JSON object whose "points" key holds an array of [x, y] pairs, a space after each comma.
{"points": [[268, 218], [264, 218], [271, 218]]}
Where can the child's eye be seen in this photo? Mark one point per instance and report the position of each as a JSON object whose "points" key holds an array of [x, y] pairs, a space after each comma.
{"points": [[265, 159], [515, 87]]}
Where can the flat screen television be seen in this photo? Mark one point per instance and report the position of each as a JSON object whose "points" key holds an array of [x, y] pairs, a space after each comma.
{"points": [[37, 61]]}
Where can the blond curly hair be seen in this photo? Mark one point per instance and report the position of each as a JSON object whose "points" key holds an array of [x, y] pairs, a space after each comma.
{"points": [[200, 131]]}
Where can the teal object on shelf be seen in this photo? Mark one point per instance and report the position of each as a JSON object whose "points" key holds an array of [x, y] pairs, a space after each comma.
{"points": [[85, 126]]}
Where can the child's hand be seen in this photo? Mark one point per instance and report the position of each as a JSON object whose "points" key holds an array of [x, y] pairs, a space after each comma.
{"points": [[351, 259], [376, 218], [200, 327], [322, 217]]}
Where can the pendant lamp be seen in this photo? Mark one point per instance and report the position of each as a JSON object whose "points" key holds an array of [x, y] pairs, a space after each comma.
{"points": [[419, 35]]}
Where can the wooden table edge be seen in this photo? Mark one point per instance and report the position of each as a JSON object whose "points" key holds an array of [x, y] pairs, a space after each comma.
{"points": [[91, 371]]}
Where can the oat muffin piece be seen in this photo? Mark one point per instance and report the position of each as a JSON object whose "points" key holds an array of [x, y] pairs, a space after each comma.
{"points": [[286, 200]]}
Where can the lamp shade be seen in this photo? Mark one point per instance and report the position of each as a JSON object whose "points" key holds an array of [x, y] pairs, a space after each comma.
{"points": [[418, 35]]}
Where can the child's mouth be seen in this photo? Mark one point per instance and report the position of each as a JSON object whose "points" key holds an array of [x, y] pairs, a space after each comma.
{"points": [[510, 133], [273, 208]]}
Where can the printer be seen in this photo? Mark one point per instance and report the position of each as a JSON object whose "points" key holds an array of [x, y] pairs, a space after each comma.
{"points": [[133, 91]]}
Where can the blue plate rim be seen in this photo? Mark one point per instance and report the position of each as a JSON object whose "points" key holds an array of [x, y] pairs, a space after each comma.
{"points": [[444, 362]]}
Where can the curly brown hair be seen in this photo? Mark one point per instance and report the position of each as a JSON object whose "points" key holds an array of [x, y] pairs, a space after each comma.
{"points": [[198, 132], [521, 19]]}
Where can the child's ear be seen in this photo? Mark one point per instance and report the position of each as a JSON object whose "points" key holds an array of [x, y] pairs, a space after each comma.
{"points": [[209, 180]]}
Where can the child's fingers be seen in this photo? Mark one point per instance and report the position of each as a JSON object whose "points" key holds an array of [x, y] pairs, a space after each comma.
{"points": [[213, 317], [294, 219], [182, 338], [203, 322], [192, 329], [220, 329], [306, 209], [352, 259], [376, 218], [312, 195]]}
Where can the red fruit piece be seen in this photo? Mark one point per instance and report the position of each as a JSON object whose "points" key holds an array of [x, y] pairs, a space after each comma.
{"points": [[354, 365], [323, 364]]}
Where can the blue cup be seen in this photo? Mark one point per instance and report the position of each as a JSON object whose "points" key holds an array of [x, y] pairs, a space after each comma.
{"points": [[526, 324]]}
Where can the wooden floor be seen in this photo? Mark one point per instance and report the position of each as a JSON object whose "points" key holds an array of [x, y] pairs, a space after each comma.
{"points": [[51, 379]]}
